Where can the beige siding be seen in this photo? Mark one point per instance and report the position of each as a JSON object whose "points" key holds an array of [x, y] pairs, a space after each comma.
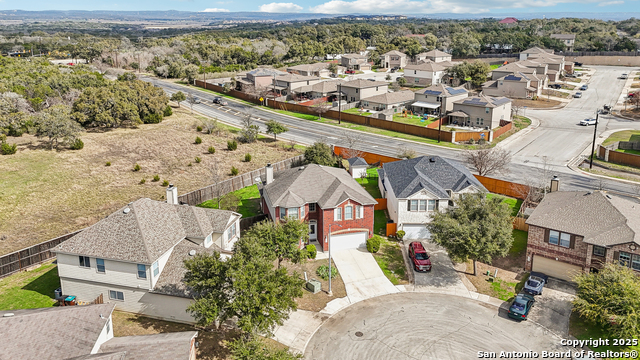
{"points": [[510, 89], [490, 119], [116, 272], [105, 335], [162, 261]]}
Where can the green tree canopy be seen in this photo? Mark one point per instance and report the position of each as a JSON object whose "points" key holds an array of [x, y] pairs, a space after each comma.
{"points": [[280, 240], [319, 153], [256, 349], [56, 125], [178, 97], [276, 128]]}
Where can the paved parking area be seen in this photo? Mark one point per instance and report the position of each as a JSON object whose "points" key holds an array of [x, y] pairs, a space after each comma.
{"points": [[442, 273], [553, 308], [424, 326]]}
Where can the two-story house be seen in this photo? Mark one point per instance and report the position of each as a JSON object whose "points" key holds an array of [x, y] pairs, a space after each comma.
{"points": [[134, 257], [259, 78], [525, 54], [514, 86], [429, 100], [393, 59], [355, 62], [424, 74], [571, 232], [287, 84], [568, 40], [317, 69], [436, 56], [555, 64], [481, 111], [397, 100], [356, 90], [415, 188], [328, 198], [537, 80]]}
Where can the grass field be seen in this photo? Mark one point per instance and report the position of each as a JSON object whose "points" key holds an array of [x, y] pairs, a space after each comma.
{"points": [[44, 194], [357, 112], [541, 103], [519, 245], [391, 261], [379, 222], [29, 289], [629, 151], [514, 204], [627, 135], [412, 119], [493, 67], [248, 202], [370, 183]]}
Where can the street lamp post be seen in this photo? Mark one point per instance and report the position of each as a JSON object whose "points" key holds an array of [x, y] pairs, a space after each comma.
{"points": [[593, 146], [330, 225]]}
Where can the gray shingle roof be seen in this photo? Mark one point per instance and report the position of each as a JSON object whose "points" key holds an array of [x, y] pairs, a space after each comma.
{"points": [[357, 161], [440, 89], [436, 53], [326, 186], [425, 66], [394, 52], [483, 101], [120, 355], [406, 177], [146, 231], [165, 346], [601, 219], [265, 72], [362, 83], [52, 333], [392, 98]]}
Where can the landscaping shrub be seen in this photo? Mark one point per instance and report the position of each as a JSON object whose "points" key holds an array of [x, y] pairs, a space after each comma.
{"points": [[8, 149], [168, 111], [400, 234], [212, 150], [136, 167], [198, 160], [143, 181], [108, 163], [247, 157], [165, 183], [77, 144], [199, 129], [373, 244], [232, 145], [156, 177], [312, 252], [198, 140], [234, 171], [323, 272], [152, 119]]}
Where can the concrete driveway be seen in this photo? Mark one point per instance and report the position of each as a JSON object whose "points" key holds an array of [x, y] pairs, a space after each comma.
{"points": [[423, 326], [553, 308], [442, 274]]}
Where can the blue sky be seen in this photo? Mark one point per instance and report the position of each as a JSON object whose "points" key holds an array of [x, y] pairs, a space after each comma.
{"points": [[406, 7]]}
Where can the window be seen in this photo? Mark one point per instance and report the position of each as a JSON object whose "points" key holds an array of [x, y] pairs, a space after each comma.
{"points": [[155, 268], [432, 205], [283, 213], [412, 205], [348, 212], [565, 240], [486, 110], [312, 207], [109, 326], [376, 88], [84, 261], [359, 212], [356, 91], [415, 72], [439, 98], [423, 205], [599, 251], [116, 295], [337, 214], [302, 211], [100, 265], [207, 241], [142, 271], [554, 237], [292, 213], [624, 258], [417, 80], [558, 238], [231, 232], [635, 262]]}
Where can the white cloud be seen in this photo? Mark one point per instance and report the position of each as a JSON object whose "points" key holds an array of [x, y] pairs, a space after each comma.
{"points": [[609, 3], [280, 7], [215, 10]]}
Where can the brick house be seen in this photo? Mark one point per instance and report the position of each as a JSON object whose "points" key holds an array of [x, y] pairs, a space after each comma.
{"points": [[575, 231], [321, 196]]}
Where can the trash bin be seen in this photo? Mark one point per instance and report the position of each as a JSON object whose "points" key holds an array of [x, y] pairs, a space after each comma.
{"points": [[57, 293], [314, 286], [70, 301]]}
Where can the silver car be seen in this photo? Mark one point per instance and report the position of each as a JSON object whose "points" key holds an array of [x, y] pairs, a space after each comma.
{"points": [[587, 122]]}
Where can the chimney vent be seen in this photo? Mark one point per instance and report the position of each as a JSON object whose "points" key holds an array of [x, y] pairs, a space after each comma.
{"points": [[8, 315], [126, 210], [555, 184], [432, 159], [192, 253], [172, 195], [269, 174]]}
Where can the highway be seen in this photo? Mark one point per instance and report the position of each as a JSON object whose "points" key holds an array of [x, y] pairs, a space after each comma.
{"points": [[306, 132]]}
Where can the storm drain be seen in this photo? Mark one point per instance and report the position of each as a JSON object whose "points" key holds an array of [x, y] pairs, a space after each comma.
{"points": [[359, 333]]}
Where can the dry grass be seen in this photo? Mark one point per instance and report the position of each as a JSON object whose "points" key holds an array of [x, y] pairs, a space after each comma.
{"points": [[541, 103], [504, 287], [317, 302], [212, 343], [44, 194]]}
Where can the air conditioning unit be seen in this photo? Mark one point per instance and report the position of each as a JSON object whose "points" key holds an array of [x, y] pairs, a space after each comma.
{"points": [[314, 286]]}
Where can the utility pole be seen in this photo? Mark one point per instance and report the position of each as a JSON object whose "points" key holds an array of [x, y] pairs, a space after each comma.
{"points": [[593, 146], [339, 103], [440, 121]]}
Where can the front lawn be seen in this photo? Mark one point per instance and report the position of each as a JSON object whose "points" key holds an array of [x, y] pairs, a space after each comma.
{"points": [[379, 222], [626, 135], [391, 262], [519, 245], [29, 289], [504, 287], [248, 202], [514, 204]]}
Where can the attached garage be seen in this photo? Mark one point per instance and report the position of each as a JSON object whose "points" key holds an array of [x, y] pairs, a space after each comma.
{"points": [[348, 241], [416, 231], [554, 268]]}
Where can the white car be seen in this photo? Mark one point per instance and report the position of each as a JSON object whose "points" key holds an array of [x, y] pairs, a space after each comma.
{"points": [[587, 122]]}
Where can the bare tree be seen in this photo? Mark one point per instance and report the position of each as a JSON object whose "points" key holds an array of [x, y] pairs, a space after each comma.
{"points": [[191, 99], [210, 124], [322, 108], [406, 153], [249, 132], [351, 140], [536, 186], [488, 160], [600, 184], [217, 179]]}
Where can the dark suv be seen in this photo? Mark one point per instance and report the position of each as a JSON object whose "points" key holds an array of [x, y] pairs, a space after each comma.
{"points": [[419, 257]]}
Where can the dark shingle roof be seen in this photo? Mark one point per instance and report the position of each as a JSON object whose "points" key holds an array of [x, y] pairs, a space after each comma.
{"points": [[406, 177], [165, 346], [326, 186], [52, 333], [362, 84], [146, 231], [601, 219], [357, 161], [439, 89], [483, 101]]}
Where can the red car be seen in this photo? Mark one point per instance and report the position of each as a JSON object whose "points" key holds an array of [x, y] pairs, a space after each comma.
{"points": [[349, 71], [419, 256]]}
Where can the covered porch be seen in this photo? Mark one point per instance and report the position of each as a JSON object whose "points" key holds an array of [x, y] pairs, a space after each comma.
{"points": [[420, 107]]}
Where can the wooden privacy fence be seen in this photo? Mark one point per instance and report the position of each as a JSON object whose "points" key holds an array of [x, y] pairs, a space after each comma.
{"points": [[519, 224], [235, 183], [503, 187], [506, 126], [34, 255], [391, 229], [608, 153], [246, 223], [381, 205], [370, 158]]}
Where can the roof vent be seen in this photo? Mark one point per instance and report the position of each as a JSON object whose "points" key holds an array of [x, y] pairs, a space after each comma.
{"points": [[192, 253], [589, 192], [301, 168], [608, 196], [126, 210], [432, 159], [8, 315]]}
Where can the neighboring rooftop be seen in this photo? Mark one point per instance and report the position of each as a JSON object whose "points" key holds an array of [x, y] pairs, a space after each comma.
{"points": [[602, 219], [509, 20], [265, 72], [537, 50], [563, 36], [328, 86], [165, 346], [431, 173], [515, 67], [442, 90], [436, 53], [391, 98], [425, 66], [288, 77], [354, 56], [362, 84], [394, 53], [331, 186], [309, 67], [357, 161], [145, 229], [483, 101], [170, 280]]}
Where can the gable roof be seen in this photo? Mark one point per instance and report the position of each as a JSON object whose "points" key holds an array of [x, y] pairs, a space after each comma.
{"points": [[354, 56], [310, 67], [165, 346], [52, 333], [436, 53], [432, 173], [514, 67], [602, 219], [392, 97], [537, 50], [326, 186], [426, 66], [328, 86], [483, 101], [563, 36], [442, 90], [265, 72], [394, 52], [357, 161], [288, 77], [362, 83], [508, 20], [144, 230]]}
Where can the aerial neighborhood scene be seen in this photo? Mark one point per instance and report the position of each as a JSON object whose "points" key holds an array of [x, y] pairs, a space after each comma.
{"points": [[319, 180]]}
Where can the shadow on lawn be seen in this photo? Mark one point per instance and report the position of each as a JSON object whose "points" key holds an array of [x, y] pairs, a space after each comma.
{"points": [[45, 284]]}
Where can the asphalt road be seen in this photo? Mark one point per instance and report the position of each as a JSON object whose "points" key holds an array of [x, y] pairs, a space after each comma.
{"points": [[522, 168], [424, 326]]}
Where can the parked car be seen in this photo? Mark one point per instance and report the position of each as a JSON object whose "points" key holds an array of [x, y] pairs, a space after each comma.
{"points": [[577, 63], [555, 86], [631, 95], [395, 68], [349, 71], [419, 256], [535, 283], [521, 306], [577, 95], [624, 76], [584, 87], [334, 75]]}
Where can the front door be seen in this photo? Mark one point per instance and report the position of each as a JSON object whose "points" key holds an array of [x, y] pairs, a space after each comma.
{"points": [[313, 234]]}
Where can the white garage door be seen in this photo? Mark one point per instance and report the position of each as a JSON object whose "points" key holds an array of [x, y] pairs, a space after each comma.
{"points": [[556, 269], [416, 231], [348, 241]]}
